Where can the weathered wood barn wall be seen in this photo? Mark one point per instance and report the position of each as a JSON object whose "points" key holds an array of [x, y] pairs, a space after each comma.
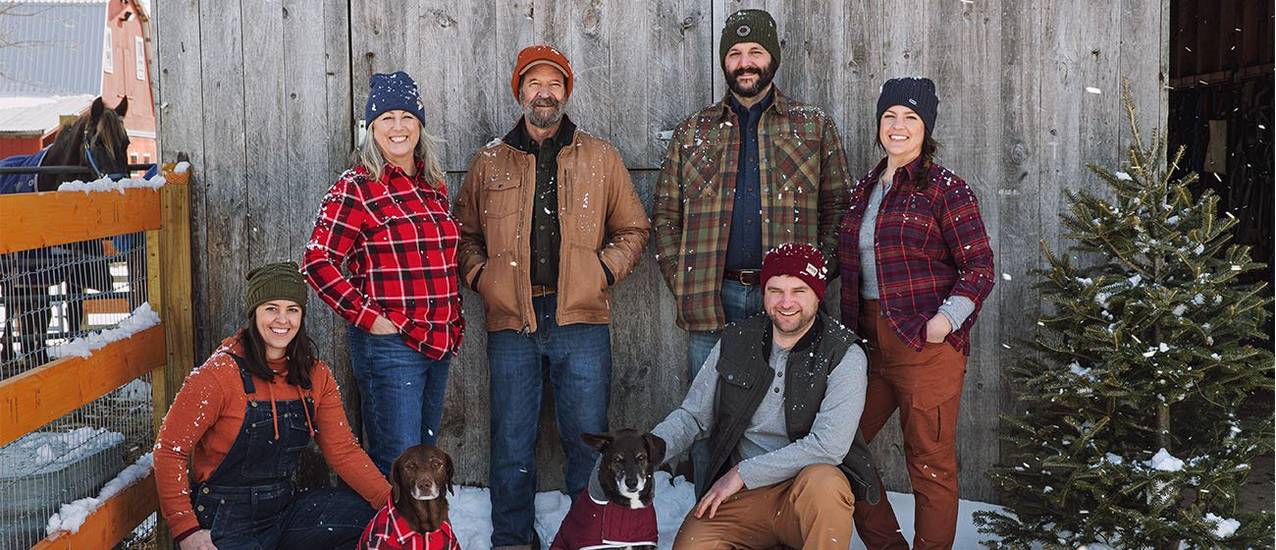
{"points": [[265, 94]]}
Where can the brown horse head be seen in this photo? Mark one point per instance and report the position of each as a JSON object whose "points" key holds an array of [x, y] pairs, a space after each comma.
{"points": [[96, 140]]}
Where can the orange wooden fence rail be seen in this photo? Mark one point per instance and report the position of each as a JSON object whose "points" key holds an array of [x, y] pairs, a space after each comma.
{"points": [[26, 219]]}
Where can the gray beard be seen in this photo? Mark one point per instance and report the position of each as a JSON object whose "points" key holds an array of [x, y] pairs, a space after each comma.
{"points": [[543, 122]]}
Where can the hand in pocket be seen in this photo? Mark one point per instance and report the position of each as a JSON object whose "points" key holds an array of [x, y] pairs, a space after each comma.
{"points": [[937, 328]]}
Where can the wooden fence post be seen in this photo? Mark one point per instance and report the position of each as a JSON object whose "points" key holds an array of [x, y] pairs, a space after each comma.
{"points": [[169, 280]]}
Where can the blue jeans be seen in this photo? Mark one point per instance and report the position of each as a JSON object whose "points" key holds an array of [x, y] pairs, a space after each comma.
{"points": [[739, 301], [577, 359], [266, 517], [400, 394]]}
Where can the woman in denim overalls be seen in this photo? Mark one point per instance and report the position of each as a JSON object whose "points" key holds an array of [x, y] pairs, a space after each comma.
{"points": [[241, 420]]}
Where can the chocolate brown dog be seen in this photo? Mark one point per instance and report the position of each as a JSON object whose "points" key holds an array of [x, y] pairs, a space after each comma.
{"points": [[417, 481]]}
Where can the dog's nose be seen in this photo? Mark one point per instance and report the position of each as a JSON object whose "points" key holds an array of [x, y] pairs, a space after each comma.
{"points": [[631, 483]]}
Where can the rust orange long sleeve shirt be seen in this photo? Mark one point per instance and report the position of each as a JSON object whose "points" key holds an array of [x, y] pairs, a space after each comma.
{"points": [[206, 418]]}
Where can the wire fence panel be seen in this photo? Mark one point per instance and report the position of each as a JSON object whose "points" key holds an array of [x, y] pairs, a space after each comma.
{"points": [[51, 301], [71, 458], [51, 295]]}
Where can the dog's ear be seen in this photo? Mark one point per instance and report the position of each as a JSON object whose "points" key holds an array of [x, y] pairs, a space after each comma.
{"points": [[655, 449], [394, 480], [599, 442], [448, 471]]}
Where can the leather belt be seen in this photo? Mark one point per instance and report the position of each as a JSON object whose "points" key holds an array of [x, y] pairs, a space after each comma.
{"points": [[746, 277], [541, 290]]}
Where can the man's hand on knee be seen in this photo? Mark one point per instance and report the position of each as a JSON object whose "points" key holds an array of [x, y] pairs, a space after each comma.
{"points": [[728, 485]]}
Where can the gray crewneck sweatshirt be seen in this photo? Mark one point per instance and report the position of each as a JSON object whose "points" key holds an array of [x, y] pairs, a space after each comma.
{"points": [[768, 457], [955, 308]]}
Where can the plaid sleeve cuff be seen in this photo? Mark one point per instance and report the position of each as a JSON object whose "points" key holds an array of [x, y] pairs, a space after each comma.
{"points": [[367, 315]]}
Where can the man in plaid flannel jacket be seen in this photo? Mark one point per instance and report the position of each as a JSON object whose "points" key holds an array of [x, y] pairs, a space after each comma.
{"points": [[742, 176]]}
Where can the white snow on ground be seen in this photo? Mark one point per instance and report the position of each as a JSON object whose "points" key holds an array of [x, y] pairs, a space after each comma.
{"points": [[471, 511], [141, 319], [106, 184], [71, 516], [1165, 462], [43, 452]]}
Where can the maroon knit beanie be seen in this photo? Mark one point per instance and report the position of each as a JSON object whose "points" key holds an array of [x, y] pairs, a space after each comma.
{"points": [[800, 260]]}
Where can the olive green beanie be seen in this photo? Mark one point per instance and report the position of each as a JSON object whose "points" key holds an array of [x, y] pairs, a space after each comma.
{"points": [[274, 281], [750, 26]]}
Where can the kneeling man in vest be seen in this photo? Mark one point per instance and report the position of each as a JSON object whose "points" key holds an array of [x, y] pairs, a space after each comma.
{"points": [[779, 398]]}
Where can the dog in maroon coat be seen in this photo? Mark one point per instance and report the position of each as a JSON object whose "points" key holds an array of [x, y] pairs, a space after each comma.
{"points": [[615, 511]]}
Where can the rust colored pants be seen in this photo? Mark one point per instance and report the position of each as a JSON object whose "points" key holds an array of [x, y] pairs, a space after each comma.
{"points": [[811, 511], [926, 387]]}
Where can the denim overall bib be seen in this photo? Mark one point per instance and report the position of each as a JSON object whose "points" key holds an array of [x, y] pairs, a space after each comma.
{"points": [[249, 501]]}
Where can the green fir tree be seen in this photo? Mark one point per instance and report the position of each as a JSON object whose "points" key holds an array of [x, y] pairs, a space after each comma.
{"points": [[1131, 435]]}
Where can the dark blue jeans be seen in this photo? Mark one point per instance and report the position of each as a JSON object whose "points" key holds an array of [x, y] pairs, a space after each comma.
{"points": [[577, 359], [738, 302], [400, 394], [259, 518]]}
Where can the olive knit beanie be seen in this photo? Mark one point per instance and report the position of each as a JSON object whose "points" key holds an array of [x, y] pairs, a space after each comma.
{"points": [[274, 281]]}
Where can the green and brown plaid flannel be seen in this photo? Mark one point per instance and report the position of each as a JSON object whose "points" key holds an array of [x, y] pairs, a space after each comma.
{"points": [[803, 187]]}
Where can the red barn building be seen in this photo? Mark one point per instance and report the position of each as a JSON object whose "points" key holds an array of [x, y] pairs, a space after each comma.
{"points": [[57, 55]]}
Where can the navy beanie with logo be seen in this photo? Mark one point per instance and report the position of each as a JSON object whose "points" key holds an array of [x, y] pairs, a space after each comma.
{"points": [[389, 92], [916, 93]]}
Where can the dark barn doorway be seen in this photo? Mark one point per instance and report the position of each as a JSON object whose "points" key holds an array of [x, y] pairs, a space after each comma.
{"points": [[1220, 109]]}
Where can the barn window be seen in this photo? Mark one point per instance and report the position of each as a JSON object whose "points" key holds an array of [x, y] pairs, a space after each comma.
{"points": [[139, 57], [108, 53]]}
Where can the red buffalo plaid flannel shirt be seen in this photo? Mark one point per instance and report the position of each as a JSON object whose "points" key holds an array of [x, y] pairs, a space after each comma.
{"points": [[389, 531], [398, 240], [930, 244]]}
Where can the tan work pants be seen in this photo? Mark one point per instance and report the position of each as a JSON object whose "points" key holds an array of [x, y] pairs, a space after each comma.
{"points": [[811, 511]]}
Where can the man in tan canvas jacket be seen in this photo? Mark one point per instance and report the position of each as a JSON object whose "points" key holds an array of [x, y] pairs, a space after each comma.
{"points": [[549, 222]]}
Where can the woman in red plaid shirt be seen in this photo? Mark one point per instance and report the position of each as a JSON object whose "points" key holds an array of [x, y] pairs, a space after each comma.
{"points": [[387, 222], [916, 266]]}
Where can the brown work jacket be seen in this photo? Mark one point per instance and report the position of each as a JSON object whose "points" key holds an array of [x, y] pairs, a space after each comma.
{"points": [[600, 217]]}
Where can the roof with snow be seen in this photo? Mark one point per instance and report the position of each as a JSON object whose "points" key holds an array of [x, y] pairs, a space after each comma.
{"points": [[37, 115], [51, 47]]}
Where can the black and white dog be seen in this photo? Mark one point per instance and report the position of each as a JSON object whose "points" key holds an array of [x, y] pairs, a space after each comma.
{"points": [[616, 511], [629, 461]]}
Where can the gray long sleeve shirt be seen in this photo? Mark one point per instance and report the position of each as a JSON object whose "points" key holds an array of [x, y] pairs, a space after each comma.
{"points": [[955, 308], [768, 455]]}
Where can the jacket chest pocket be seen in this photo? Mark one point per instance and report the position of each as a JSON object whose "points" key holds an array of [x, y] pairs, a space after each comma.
{"points": [[702, 161], [392, 220], [501, 196], [909, 220], [795, 157], [734, 392]]}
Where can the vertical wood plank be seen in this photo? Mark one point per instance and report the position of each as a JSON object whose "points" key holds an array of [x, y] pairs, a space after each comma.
{"points": [[224, 173]]}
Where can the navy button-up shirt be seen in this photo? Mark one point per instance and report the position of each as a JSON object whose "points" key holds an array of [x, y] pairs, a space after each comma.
{"points": [[744, 247]]}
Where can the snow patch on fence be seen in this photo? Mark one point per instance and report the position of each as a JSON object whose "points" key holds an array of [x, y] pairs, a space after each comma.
{"points": [[107, 184], [141, 319], [71, 516]]}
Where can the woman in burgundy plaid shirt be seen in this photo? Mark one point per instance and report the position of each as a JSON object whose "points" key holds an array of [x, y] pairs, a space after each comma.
{"points": [[387, 221], [916, 266]]}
